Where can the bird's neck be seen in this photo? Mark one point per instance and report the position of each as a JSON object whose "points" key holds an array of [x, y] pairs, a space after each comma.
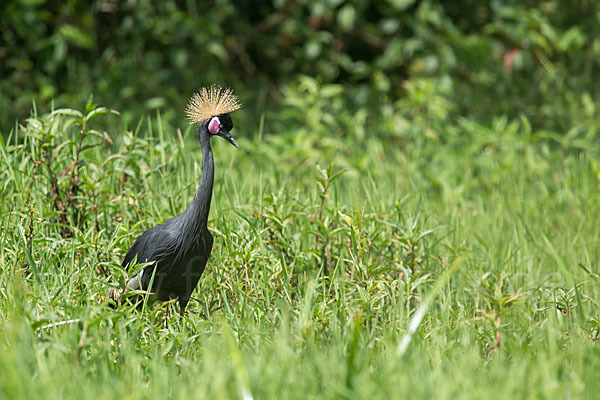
{"points": [[201, 204]]}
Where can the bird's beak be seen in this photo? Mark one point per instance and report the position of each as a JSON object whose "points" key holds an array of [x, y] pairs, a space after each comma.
{"points": [[226, 135]]}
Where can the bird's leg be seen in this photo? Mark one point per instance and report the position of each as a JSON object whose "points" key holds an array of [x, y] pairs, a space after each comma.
{"points": [[167, 314], [183, 301]]}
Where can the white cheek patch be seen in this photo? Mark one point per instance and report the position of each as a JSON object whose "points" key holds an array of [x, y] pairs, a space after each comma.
{"points": [[213, 126]]}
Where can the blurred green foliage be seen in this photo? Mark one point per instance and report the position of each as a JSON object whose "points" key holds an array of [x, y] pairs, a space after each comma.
{"points": [[537, 58]]}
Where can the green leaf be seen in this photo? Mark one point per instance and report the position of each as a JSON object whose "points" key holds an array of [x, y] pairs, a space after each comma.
{"points": [[76, 36]]}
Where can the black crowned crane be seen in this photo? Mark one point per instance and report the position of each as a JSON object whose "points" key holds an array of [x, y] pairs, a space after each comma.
{"points": [[179, 248]]}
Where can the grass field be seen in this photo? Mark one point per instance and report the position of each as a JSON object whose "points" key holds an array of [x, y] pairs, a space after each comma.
{"points": [[355, 257]]}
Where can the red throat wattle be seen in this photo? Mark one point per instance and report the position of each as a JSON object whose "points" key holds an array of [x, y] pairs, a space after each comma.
{"points": [[213, 126]]}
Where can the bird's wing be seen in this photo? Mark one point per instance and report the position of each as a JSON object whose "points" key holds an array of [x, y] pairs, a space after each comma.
{"points": [[156, 244], [133, 251]]}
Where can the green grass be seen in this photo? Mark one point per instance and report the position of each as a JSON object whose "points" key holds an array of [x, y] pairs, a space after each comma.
{"points": [[334, 236]]}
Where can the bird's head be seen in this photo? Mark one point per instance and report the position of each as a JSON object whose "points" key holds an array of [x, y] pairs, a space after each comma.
{"points": [[220, 125], [210, 108]]}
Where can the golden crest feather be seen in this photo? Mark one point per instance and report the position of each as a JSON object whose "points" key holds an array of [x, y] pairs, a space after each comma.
{"points": [[210, 102]]}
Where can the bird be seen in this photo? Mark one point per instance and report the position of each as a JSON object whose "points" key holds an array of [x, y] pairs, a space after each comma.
{"points": [[179, 248]]}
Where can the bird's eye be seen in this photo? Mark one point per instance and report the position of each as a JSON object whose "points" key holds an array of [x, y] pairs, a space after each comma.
{"points": [[220, 126]]}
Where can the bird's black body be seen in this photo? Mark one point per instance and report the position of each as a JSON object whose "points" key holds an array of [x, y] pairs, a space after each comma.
{"points": [[179, 248]]}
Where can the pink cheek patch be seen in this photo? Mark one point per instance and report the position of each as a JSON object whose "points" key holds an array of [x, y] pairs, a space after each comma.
{"points": [[213, 126]]}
